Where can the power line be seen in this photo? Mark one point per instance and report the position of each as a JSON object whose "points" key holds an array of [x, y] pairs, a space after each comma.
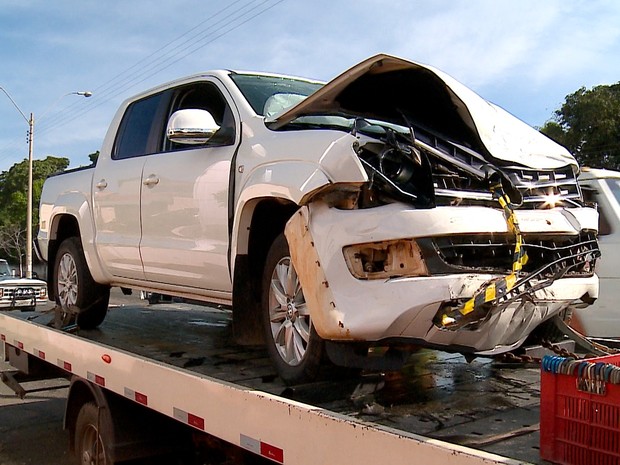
{"points": [[127, 76], [196, 42], [204, 33]]}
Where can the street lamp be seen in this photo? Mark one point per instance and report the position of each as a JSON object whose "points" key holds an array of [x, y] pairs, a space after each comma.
{"points": [[30, 122]]}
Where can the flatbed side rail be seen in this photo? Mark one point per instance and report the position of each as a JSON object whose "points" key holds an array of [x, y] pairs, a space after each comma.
{"points": [[282, 430]]}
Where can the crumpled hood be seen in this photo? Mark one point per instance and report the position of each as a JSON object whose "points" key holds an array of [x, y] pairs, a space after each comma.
{"points": [[391, 89]]}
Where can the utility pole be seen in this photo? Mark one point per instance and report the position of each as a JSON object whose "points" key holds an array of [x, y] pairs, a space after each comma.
{"points": [[29, 207], [30, 122]]}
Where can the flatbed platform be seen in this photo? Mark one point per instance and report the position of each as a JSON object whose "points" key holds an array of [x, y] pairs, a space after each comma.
{"points": [[484, 405]]}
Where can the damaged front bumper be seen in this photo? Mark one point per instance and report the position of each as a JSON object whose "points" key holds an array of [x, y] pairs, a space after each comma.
{"points": [[385, 273]]}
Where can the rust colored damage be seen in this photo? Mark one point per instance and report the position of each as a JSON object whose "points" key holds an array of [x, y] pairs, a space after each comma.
{"points": [[326, 319], [385, 259]]}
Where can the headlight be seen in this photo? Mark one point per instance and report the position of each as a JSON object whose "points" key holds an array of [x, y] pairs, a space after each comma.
{"points": [[396, 166], [387, 259]]}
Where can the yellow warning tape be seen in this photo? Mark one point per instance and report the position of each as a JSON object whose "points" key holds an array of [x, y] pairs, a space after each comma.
{"points": [[496, 287]]}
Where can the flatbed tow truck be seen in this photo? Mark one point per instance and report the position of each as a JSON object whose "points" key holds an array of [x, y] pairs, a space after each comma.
{"points": [[148, 375]]}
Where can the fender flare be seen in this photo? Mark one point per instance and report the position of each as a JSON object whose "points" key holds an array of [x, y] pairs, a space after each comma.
{"points": [[291, 181], [76, 205]]}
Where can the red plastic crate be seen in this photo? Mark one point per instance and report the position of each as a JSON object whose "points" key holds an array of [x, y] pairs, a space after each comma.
{"points": [[579, 427]]}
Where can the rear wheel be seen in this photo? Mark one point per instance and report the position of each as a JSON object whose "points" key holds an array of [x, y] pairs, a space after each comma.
{"points": [[75, 287], [294, 346], [89, 442]]}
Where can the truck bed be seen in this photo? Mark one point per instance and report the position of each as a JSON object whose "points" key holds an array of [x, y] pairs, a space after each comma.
{"points": [[483, 404]]}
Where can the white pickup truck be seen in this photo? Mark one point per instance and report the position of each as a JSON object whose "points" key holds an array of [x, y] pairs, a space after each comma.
{"points": [[17, 292], [408, 209]]}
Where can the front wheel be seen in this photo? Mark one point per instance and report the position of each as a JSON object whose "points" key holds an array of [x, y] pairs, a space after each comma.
{"points": [[293, 344], [75, 286]]}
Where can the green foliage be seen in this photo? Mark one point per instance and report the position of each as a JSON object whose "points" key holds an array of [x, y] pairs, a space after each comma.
{"points": [[588, 124], [93, 157], [14, 201]]}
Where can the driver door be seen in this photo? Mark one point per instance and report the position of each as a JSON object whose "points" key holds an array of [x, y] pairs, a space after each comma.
{"points": [[184, 210]]}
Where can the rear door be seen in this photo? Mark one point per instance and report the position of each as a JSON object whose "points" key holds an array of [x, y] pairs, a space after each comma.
{"points": [[117, 187]]}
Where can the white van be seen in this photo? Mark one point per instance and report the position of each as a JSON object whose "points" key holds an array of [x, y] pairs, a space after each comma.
{"points": [[603, 318]]}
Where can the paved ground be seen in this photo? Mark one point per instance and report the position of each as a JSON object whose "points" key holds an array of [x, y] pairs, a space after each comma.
{"points": [[31, 429]]}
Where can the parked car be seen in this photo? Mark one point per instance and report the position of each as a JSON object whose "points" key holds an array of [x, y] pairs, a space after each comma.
{"points": [[389, 207], [602, 319], [22, 293]]}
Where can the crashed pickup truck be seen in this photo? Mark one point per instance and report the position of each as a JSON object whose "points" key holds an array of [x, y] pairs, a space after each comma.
{"points": [[389, 208]]}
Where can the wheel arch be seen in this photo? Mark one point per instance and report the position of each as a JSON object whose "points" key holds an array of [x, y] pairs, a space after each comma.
{"points": [[64, 226], [132, 431], [262, 219], [82, 392]]}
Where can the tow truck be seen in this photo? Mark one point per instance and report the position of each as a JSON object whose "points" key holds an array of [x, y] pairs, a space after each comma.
{"points": [[153, 382]]}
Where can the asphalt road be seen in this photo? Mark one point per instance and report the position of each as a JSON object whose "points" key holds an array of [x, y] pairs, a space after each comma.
{"points": [[31, 428]]}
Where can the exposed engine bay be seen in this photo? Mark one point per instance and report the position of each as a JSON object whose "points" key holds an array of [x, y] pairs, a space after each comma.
{"points": [[412, 171]]}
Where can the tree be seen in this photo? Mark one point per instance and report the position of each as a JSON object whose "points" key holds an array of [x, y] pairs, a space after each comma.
{"points": [[14, 201], [13, 243], [93, 157], [588, 124]]}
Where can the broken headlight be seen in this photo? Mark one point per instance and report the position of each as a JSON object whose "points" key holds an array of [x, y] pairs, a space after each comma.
{"points": [[386, 259], [398, 170]]}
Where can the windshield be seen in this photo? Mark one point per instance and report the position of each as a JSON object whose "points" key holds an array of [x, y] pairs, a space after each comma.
{"points": [[614, 186], [5, 270], [271, 94]]}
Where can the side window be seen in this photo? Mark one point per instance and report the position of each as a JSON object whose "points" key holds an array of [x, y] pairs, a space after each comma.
{"points": [[135, 129], [204, 96]]}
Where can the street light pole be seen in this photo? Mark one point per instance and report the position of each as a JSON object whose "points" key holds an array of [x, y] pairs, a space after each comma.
{"points": [[30, 122], [29, 207]]}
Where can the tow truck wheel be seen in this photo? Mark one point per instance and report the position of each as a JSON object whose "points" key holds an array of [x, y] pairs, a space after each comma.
{"points": [[293, 344], [89, 443], [75, 286]]}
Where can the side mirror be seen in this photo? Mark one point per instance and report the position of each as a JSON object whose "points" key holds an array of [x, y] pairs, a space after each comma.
{"points": [[191, 126]]}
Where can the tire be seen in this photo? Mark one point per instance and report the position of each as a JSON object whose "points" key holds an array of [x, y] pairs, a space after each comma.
{"points": [[75, 286], [90, 443], [293, 344]]}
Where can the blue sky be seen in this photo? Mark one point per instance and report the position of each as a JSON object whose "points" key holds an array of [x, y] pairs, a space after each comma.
{"points": [[525, 55]]}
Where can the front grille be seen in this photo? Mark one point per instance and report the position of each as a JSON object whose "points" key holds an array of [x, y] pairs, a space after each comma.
{"points": [[459, 176], [493, 253], [546, 188], [539, 188], [21, 293]]}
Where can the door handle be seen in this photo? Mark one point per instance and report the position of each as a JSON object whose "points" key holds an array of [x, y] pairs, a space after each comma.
{"points": [[102, 184], [151, 180]]}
